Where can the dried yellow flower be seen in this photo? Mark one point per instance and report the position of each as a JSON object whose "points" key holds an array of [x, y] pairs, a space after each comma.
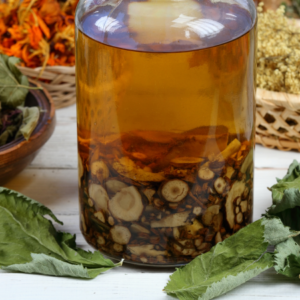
{"points": [[278, 52]]}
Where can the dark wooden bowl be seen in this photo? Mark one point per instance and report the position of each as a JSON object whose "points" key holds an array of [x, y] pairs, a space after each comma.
{"points": [[16, 155]]}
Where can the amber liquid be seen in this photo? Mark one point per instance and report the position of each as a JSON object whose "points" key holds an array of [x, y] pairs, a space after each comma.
{"points": [[152, 105]]}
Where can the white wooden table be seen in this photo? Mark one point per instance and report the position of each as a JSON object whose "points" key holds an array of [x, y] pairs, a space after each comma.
{"points": [[52, 180]]}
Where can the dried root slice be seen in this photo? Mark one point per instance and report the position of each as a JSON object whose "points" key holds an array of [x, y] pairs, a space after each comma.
{"points": [[126, 167], [117, 247], [217, 222], [174, 190], [198, 242], [232, 148], [100, 216], [194, 228], [99, 195], [115, 186], [101, 240], [220, 185], [244, 205], [229, 172], [247, 162], [183, 251], [176, 233], [127, 204], [175, 220], [146, 250], [120, 234], [187, 160], [218, 238], [197, 210], [149, 193], [239, 218], [205, 173], [99, 169], [211, 211], [235, 193], [80, 169], [138, 228]]}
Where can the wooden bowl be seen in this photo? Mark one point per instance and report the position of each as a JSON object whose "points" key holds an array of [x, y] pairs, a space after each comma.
{"points": [[16, 155]]}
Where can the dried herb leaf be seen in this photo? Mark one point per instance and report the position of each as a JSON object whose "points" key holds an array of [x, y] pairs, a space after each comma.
{"points": [[30, 120], [25, 231], [13, 84]]}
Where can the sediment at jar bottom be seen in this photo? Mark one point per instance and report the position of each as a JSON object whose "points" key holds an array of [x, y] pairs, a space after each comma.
{"points": [[170, 215]]}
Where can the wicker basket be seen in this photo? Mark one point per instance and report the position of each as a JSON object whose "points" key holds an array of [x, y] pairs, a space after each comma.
{"points": [[278, 120], [58, 81]]}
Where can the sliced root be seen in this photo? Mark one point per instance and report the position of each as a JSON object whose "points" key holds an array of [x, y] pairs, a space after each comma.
{"points": [[194, 228], [174, 190], [229, 172], [99, 195], [211, 211], [120, 234], [218, 238], [117, 247], [244, 205], [114, 186], [220, 185], [149, 193], [232, 148], [206, 174], [127, 204], [175, 220], [101, 240], [100, 216], [239, 218], [147, 250], [126, 167], [235, 193], [100, 170], [138, 228], [82, 219], [197, 210]]}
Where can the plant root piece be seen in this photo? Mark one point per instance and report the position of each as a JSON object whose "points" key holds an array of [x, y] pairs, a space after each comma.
{"points": [[239, 218], [218, 238], [114, 186], [120, 234], [100, 170], [194, 228], [205, 173], [138, 228], [220, 185], [197, 210], [126, 167], [145, 249], [117, 247], [244, 205], [99, 195], [211, 211], [127, 204], [100, 216], [235, 193], [232, 148], [174, 190], [175, 220], [247, 162]]}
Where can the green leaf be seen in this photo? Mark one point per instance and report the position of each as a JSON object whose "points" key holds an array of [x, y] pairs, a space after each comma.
{"points": [[25, 231], [229, 263], [13, 84], [31, 117], [287, 258], [286, 199]]}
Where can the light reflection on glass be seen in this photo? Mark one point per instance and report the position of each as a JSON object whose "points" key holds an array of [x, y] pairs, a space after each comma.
{"points": [[108, 24]]}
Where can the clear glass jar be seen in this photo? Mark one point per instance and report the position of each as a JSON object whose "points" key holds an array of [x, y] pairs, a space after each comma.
{"points": [[165, 115]]}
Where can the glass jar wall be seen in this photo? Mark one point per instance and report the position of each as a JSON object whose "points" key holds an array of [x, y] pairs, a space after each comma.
{"points": [[165, 115]]}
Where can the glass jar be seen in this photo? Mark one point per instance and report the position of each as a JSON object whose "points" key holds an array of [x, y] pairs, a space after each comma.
{"points": [[165, 115]]}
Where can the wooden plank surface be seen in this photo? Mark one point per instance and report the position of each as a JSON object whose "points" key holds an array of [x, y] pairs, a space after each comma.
{"points": [[52, 180]]}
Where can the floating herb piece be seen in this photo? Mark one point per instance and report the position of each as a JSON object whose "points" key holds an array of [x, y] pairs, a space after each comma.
{"points": [[29, 242]]}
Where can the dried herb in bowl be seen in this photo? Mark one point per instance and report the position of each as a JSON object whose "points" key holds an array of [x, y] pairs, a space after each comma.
{"points": [[15, 118]]}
